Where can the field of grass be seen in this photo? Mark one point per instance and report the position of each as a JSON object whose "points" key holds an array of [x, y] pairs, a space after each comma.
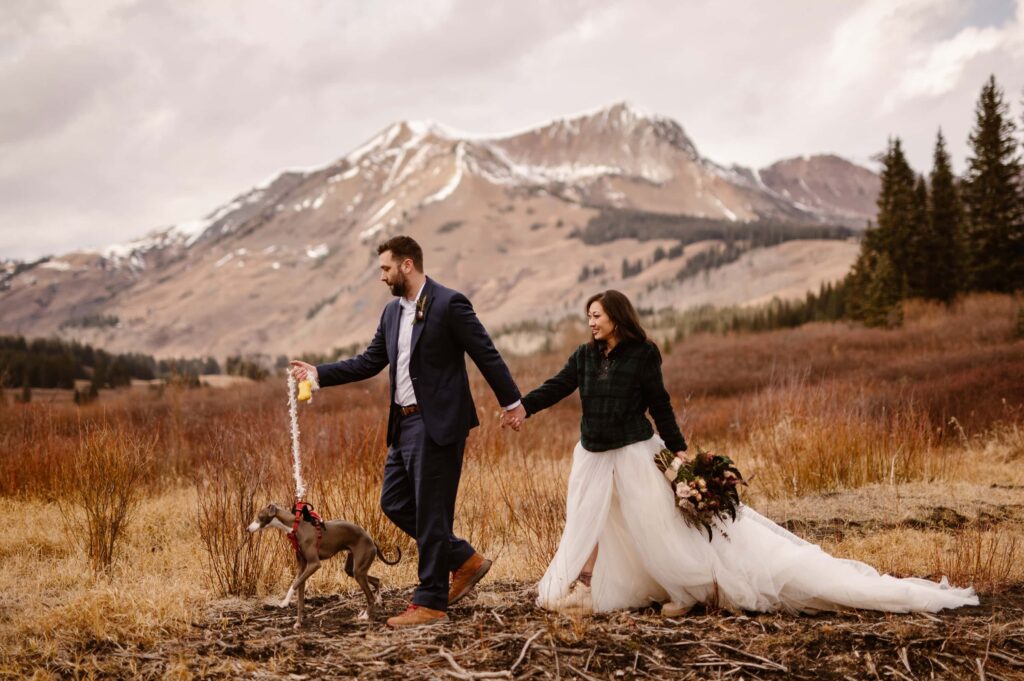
{"points": [[124, 553]]}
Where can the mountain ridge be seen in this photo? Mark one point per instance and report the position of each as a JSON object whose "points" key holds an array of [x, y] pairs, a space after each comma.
{"points": [[289, 265]]}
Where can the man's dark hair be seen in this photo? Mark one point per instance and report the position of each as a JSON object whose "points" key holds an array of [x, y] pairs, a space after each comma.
{"points": [[403, 247]]}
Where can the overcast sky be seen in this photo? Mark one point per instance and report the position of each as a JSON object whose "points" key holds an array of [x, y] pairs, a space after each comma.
{"points": [[119, 116]]}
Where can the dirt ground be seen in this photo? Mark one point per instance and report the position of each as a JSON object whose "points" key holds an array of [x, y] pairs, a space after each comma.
{"points": [[498, 633]]}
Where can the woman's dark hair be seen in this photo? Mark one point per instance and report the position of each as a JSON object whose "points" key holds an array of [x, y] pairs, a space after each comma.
{"points": [[622, 313]]}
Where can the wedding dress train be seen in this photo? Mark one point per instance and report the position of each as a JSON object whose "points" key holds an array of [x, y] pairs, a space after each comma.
{"points": [[620, 501]]}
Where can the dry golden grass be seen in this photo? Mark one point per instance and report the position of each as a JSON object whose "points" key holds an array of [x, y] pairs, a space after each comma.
{"points": [[857, 439], [53, 606], [809, 439], [101, 488]]}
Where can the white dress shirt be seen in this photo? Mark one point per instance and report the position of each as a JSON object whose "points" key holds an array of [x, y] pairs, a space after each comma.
{"points": [[405, 396]]}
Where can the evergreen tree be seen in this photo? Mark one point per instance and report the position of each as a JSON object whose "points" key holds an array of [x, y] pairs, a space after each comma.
{"points": [[883, 295], [859, 278], [899, 216], [918, 243], [945, 220], [994, 235], [873, 290], [897, 213]]}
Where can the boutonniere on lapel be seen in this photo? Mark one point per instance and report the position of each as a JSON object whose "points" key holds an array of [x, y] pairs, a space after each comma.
{"points": [[421, 309]]}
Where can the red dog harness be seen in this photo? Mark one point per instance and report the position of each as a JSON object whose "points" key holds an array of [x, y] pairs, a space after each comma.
{"points": [[304, 511]]}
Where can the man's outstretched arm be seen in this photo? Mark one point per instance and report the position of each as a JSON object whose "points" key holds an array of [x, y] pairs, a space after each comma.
{"points": [[473, 338], [365, 365]]}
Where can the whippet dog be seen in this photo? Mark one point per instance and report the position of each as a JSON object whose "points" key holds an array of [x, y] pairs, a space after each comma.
{"points": [[337, 535]]}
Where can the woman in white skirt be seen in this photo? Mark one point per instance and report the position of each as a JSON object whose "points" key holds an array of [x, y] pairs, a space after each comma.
{"points": [[625, 544]]}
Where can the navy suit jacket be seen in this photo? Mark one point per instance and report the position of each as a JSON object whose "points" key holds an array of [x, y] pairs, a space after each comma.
{"points": [[437, 364]]}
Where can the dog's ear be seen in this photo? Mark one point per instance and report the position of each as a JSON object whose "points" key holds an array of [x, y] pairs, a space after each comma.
{"points": [[272, 507]]}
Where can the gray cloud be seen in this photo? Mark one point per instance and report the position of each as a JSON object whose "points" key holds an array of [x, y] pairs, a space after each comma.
{"points": [[122, 116]]}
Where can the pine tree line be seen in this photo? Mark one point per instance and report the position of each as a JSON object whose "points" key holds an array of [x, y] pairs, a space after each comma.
{"points": [[827, 304], [55, 363], [943, 236]]}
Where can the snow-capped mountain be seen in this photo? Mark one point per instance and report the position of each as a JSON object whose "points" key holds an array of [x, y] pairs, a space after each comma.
{"points": [[511, 220]]}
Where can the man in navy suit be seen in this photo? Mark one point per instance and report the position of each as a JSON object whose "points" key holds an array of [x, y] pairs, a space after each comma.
{"points": [[424, 336]]}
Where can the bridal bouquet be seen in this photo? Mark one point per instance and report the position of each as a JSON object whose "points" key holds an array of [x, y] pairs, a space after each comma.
{"points": [[706, 488]]}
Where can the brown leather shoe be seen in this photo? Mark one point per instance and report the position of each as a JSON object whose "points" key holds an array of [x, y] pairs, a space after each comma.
{"points": [[416, 615], [466, 577]]}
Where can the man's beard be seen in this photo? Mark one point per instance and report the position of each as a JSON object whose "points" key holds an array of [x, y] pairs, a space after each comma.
{"points": [[398, 288]]}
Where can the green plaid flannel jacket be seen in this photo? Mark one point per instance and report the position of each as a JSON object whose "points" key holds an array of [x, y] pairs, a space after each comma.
{"points": [[616, 391]]}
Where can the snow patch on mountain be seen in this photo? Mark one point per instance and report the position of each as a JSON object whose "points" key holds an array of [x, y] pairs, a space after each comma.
{"points": [[382, 140], [318, 251], [382, 211], [59, 265], [347, 175], [509, 171], [725, 210], [456, 179], [369, 233]]}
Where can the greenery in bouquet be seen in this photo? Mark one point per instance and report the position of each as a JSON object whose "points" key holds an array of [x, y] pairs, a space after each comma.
{"points": [[706, 487]]}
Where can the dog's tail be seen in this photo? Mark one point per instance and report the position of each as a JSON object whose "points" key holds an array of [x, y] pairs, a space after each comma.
{"points": [[380, 554]]}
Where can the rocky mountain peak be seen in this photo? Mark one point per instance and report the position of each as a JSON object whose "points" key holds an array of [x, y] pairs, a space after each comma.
{"points": [[620, 122], [824, 182]]}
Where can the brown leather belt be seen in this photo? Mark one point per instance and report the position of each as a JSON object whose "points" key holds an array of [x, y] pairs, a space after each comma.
{"points": [[410, 410]]}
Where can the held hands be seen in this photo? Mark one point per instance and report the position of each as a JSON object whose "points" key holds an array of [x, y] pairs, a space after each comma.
{"points": [[513, 418]]}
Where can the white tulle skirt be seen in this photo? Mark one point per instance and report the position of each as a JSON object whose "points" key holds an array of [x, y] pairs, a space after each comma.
{"points": [[620, 501]]}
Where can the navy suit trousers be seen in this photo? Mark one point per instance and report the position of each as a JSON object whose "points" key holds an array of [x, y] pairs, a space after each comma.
{"points": [[421, 480]]}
